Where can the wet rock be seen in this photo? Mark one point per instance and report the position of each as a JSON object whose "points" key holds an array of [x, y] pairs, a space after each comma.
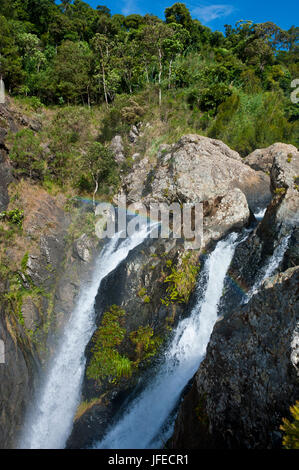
{"points": [[16, 378]]}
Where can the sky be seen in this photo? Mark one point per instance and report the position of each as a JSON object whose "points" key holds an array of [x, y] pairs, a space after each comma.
{"points": [[214, 13]]}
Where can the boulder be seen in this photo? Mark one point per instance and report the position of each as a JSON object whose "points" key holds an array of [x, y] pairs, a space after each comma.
{"points": [[83, 248], [285, 169], [262, 159], [196, 169], [232, 213]]}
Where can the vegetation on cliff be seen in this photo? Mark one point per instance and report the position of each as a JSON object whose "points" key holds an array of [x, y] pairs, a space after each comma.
{"points": [[291, 429], [176, 73], [107, 361]]}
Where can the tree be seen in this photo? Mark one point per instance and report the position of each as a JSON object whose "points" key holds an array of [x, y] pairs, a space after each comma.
{"points": [[180, 14], [10, 59], [101, 45], [98, 161], [174, 45], [71, 71], [154, 37]]}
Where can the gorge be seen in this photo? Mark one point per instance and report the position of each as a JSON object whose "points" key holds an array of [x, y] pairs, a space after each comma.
{"points": [[216, 366]]}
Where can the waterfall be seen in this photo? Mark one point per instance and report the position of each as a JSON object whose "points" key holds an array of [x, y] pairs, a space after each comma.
{"points": [[270, 267], [259, 215], [49, 422], [142, 425], [2, 91]]}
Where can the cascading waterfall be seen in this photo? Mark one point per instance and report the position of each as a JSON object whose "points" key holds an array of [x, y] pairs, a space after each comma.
{"points": [[259, 215], [49, 422], [270, 267], [2, 91], [141, 427]]}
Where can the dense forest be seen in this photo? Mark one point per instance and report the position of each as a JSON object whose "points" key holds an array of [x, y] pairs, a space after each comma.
{"points": [[70, 57]]}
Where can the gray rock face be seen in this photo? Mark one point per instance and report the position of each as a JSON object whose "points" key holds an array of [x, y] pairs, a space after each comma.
{"points": [[232, 214], [285, 169], [16, 382], [195, 169], [249, 377], [282, 215], [117, 148], [83, 248], [262, 159], [5, 179], [199, 169]]}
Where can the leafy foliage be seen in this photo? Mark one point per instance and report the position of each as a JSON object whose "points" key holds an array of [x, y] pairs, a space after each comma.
{"points": [[235, 87], [106, 361], [291, 429], [14, 216], [181, 281]]}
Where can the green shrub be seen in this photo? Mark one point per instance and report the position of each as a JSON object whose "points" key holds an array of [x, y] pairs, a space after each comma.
{"points": [[106, 361], [14, 216], [27, 154], [146, 343], [181, 281]]}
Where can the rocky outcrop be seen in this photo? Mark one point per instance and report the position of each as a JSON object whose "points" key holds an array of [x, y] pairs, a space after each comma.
{"points": [[199, 169], [262, 159], [5, 180], [281, 220], [196, 169], [117, 148], [249, 377], [232, 213]]}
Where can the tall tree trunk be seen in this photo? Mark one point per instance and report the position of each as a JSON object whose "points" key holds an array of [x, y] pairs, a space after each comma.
{"points": [[169, 74], [94, 193], [160, 77], [104, 84]]}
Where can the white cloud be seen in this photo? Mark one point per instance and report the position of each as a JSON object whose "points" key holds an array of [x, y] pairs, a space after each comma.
{"points": [[212, 12], [130, 7]]}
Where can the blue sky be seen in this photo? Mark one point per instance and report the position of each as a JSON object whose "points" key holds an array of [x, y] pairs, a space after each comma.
{"points": [[214, 13]]}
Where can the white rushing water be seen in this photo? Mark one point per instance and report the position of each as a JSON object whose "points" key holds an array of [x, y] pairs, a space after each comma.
{"points": [[49, 423], [270, 267], [141, 426], [260, 214]]}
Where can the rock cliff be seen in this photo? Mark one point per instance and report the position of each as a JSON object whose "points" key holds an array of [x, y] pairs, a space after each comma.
{"points": [[40, 274], [249, 377]]}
